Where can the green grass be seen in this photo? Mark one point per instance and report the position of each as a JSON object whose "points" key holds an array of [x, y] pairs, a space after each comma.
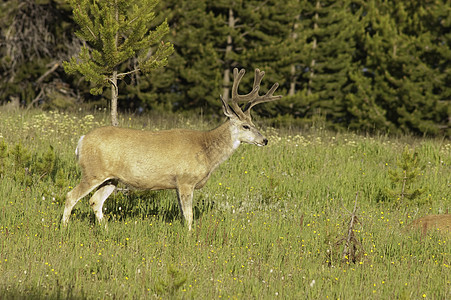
{"points": [[266, 224]]}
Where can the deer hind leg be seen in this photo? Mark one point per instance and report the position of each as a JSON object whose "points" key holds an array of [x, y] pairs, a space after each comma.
{"points": [[99, 198], [81, 190], [185, 197]]}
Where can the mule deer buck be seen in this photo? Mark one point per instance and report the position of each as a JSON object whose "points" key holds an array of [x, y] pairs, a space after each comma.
{"points": [[172, 159]]}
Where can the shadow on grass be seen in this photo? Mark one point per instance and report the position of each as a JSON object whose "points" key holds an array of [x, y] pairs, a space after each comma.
{"points": [[59, 292], [128, 204]]}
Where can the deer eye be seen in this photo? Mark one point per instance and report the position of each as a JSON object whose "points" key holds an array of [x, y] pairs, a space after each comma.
{"points": [[246, 127]]}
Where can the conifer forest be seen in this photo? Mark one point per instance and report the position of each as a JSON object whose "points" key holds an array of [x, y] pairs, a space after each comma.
{"points": [[369, 66]]}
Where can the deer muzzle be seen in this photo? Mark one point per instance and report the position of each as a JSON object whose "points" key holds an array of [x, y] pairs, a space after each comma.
{"points": [[261, 143]]}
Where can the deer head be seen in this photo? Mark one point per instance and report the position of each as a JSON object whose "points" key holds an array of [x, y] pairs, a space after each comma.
{"points": [[242, 128]]}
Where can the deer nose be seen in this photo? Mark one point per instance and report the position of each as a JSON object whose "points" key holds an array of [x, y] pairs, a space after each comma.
{"points": [[265, 141]]}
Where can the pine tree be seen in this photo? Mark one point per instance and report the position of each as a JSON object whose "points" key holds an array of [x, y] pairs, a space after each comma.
{"points": [[238, 21], [404, 177], [406, 65], [419, 108], [211, 38], [257, 36], [295, 61], [334, 26], [192, 76], [116, 32], [365, 113], [199, 67], [275, 45]]}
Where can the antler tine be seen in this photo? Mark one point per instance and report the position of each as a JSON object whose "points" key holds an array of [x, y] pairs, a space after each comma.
{"points": [[236, 81], [252, 98], [237, 76], [268, 97]]}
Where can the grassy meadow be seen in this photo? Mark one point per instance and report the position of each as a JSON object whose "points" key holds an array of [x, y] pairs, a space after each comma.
{"points": [[272, 222]]}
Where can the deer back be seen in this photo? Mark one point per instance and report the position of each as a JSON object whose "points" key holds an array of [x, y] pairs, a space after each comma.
{"points": [[153, 159]]}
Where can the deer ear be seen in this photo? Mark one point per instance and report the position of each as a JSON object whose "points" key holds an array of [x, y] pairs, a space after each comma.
{"points": [[228, 111]]}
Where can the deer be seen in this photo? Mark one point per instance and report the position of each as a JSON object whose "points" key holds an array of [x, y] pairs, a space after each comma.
{"points": [[441, 223], [179, 159]]}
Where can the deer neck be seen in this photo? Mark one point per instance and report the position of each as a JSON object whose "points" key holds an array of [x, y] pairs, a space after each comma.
{"points": [[220, 143]]}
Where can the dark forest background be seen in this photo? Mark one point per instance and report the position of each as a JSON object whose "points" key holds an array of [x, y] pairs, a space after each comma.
{"points": [[360, 65]]}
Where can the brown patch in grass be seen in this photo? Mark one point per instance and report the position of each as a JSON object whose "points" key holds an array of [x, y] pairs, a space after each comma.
{"points": [[433, 222]]}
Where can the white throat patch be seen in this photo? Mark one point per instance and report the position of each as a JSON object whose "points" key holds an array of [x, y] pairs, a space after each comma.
{"points": [[234, 134]]}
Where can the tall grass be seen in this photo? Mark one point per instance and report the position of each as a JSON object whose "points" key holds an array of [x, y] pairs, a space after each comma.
{"points": [[267, 224]]}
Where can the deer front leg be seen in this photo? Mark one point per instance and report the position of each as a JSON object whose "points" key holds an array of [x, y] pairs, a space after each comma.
{"points": [[81, 190], [185, 197]]}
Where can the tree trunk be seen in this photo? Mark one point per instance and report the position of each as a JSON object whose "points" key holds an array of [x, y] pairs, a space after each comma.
{"points": [[313, 62], [114, 95], [293, 75], [228, 50], [114, 88], [292, 89]]}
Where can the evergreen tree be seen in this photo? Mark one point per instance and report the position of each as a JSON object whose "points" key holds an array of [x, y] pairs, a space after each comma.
{"points": [[192, 76], [434, 43], [404, 63], [275, 45], [259, 35], [365, 110], [211, 38], [115, 32], [334, 26], [239, 21]]}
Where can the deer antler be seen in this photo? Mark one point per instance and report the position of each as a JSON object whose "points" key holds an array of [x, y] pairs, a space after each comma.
{"points": [[253, 98]]}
